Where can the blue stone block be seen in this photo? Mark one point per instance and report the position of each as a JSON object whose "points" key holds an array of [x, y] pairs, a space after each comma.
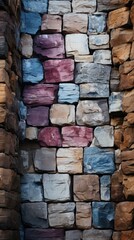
{"points": [[103, 214], [30, 22], [97, 22], [39, 6], [97, 160], [22, 111], [68, 93], [105, 187], [32, 70]]}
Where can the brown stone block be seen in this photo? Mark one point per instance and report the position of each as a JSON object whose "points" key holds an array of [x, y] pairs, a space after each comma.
{"points": [[132, 51], [5, 95], [130, 118], [120, 36], [75, 23], [83, 215], [9, 235], [126, 81], [8, 142], [124, 219], [121, 53], [39, 234], [4, 77], [118, 18], [117, 187], [128, 138], [127, 235], [9, 219], [51, 23], [126, 67], [118, 137], [9, 180], [116, 236], [111, 4], [132, 14], [128, 101], [127, 164], [9, 200], [128, 183], [6, 161]]}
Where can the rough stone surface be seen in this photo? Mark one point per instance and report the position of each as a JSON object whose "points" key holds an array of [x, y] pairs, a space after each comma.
{"points": [[45, 159], [128, 187], [30, 22], [34, 214], [40, 94], [75, 23], [97, 22], [128, 101], [9, 180], [118, 18], [75, 136], [117, 187], [35, 5], [49, 45], [59, 7], [102, 56], [61, 215], [95, 234], [31, 188], [69, 160], [92, 112], [68, 93], [99, 41], [127, 163], [76, 44], [115, 102], [83, 215], [32, 70], [97, 160], [31, 133], [94, 90], [86, 188], [126, 75], [51, 23], [26, 44], [84, 6], [50, 137], [105, 188], [61, 114], [103, 214], [56, 187], [104, 136], [121, 53], [38, 116], [34, 234], [73, 235], [120, 36], [59, 70]]}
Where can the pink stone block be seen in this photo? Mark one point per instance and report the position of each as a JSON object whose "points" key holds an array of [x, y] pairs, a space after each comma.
{"points": [[40, 94], [49, 45], [59, 70], [75, 136], [50, 136], [38, 116]]}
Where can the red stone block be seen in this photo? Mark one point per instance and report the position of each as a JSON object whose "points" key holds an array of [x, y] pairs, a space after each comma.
{"points": [[38, 116], [49, 45], [44, 234], [59, 70], [75, 136], [40, 94], [50, 136]]}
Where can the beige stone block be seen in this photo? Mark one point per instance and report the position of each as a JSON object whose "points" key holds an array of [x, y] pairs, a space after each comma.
{"points": [[51, 23], [83, 215], [26, 44], [75, 23], [84, 58], [121, 53], [31, 133], [84, 6], [59, 7]]}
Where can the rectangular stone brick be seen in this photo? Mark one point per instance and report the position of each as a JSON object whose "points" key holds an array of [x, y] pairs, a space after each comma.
{"points": [[76, 44], [59, 7], [26, 43], [102, 57], [38, 116], [83, 215], [118, 18], [94, 90], [30, 22], [45, 160], [120, 36], [51, 23], [84, 6], [99, 41], [75, 23], [97, 22], [68, 93], [73, 235], [9, 180], [50, 137], [93, 234], [40, 234], [39, 6]]}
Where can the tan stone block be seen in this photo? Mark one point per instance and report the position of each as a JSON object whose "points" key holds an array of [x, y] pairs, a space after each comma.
{"points": [[61, 114], [128, 138], [84, 6], [31, 133], [84, 58], [127, 235], [132, 52], [128, 183], [86, 188], [59, 7], [130, 118], [83, 215], [51, 23], [69, 160], [118, 18], [75, 23], [26, 44], [118, 135], [128, 101], [9, 180], [132, 14], [121, 53], [120, 36]]}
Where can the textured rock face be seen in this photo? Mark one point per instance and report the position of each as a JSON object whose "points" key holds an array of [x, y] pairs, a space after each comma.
{"points": [[86, 187], [99, 41], [56, 187], [84, 6], [83, 215], [50, 137], [118, 18], [95, 234], [57, 234], [61, 214], [105, 188], [102, 56], [35, 5], [97, 23], [92, 113], [61, 114], [30, 22], [79, 23], [69, 160], [115, 102], [31, 133], [45, 159], [26, 45], [73, 235], [94, 90], [50, 46], [75, 136], [59, 70], [38, 116], [128, 186], [104, 136], [68, 93], [51, 23], [127, 102], [59, 7]]}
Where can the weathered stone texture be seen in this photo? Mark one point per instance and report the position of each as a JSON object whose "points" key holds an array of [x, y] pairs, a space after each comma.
{"points": [[83, 215], [105, 188], [118, 18], [106, 5], [61, 114], [84, 6], [30, 22], [38, 116], [115, 102], [94, 90], [50, 137], [97, 22], [128, 101], [128, 184], [121, 53], [35, 5], [45, 160], [102, 56], [104, 136], [34, 234], [99, 41], [75, 23], [51, 23], [31, 133], [95, 234], [26, 43], [120, 36], [68, 93], [73, 235], [59, 7]]}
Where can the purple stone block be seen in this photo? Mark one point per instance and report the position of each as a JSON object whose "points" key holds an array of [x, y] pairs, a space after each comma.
{"points": [[38, 116], [50, 136], [40, 234], [40, 94], [49, 45]]}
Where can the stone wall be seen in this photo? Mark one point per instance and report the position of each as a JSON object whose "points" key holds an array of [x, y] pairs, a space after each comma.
{"points": [[9, 104], [77, 148]]}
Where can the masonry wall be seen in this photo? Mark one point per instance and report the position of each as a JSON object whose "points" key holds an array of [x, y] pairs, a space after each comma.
{"points": [[77, 148]]}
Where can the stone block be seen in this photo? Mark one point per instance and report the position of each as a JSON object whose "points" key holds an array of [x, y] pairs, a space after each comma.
{"points": [[9, 234], [120, 36], [106, 5], [94, 90], [52, 234], [86, 188], [127, 164], [127, 235], [75, 23], [83, 215], [83, 58], [97, 160], [49, 45], [61, 215], [51, 23], [76, 44], [115, 102], [118, 18], [103, 214], [124, 216], [84, 6], [9, 219], [31, 133], [128, 138], [104, 136], [34, 214], [26, 159], [56, 187], [39, 6], [9, 180], [127, 75], [117, 187], [105, 182], [128, 187], [68, 93], [50, 137], [95, 234], [10, 200], [128, 101], [31, 188], [61, 114], [97, 22], [40, 94], [7, 161], [26, 44], [59, 70], [73, 235], [22, 111], [59, 7], [38, 116], [102, 56], [75, 136], [114, 80], [45, 160], [121, 53], [32, 70], [30, 22], [92, 73], [92, 112], [99, 41], [132, 51], [69, 160]]}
